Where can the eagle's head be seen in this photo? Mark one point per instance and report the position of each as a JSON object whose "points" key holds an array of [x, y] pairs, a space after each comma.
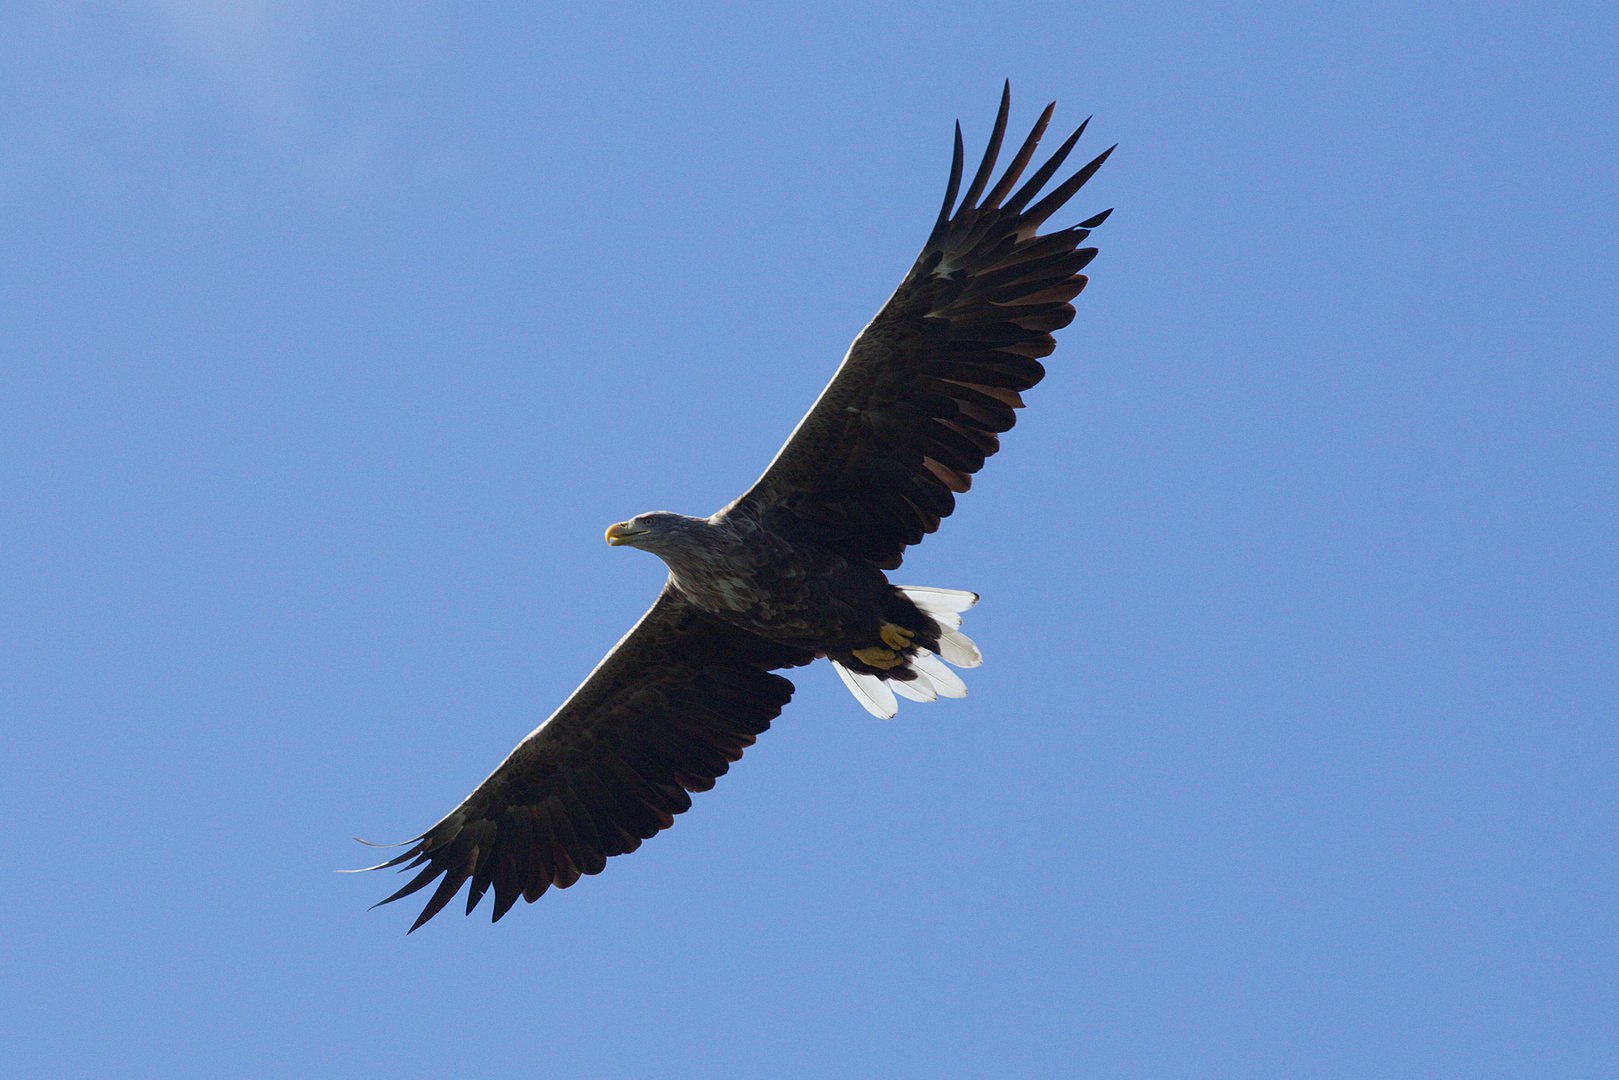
{"points": [[658, 532]]}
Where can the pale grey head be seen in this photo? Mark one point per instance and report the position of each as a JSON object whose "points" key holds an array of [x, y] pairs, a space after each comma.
{"points": [[660, 532], [698, 552]]}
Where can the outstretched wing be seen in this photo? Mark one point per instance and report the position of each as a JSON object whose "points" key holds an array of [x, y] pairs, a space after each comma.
{"points": [[927, 387], [668, 710]]}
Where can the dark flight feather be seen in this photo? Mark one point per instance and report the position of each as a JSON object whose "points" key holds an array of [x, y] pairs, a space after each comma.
{"points": [[977, 308], [666, 712]]}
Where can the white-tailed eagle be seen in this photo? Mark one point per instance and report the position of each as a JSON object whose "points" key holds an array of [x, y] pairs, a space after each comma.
{"points": [[794, 569]]}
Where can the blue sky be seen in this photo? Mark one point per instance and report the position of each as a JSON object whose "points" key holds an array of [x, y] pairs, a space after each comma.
{"points": [[335, 335]]}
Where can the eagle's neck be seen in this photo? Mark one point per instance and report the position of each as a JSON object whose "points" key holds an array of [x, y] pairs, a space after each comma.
{"points": [[713, 564]]}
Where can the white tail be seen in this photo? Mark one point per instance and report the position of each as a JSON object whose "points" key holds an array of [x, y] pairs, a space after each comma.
{"points": [[933, 680]]}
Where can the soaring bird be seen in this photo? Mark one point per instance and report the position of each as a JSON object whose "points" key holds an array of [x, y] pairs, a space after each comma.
{"points": [[793, 570]]}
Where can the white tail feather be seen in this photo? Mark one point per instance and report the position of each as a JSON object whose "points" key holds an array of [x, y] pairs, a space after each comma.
{"points": [[870, 691], [920, 688], [949, 684], [959, 649], [931, 600]]}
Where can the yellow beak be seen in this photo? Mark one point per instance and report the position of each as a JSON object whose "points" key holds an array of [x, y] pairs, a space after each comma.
{"points": [[619, 534]]}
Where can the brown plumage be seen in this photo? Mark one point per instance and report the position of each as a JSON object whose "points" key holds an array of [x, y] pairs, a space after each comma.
{"points": [[793, 569]]}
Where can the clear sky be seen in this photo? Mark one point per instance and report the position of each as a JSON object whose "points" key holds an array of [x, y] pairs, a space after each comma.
{"points": [[334, 335]]}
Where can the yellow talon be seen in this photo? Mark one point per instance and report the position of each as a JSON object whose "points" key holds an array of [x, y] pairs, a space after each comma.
{"points": [[878, 657], [896, 636]]}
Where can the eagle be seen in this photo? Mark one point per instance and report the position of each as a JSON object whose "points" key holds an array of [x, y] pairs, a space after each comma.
{"points": [[794, 570]]}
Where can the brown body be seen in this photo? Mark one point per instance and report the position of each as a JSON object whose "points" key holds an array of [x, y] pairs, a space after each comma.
{"points": [[737, 568]]}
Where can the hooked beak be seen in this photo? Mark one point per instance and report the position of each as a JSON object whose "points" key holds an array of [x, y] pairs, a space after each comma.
{"points": [[620, 534]]}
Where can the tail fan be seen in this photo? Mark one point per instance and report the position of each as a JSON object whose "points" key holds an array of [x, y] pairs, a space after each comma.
{"points": [[932, 679]]}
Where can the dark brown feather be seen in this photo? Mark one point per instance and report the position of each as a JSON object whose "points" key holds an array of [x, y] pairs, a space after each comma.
{"points": [[992, 151], [1045, 172], [1021, 160]]}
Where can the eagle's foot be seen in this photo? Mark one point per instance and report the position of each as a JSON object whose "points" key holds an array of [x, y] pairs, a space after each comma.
{"points": [[896, 637], [879, 657]]}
